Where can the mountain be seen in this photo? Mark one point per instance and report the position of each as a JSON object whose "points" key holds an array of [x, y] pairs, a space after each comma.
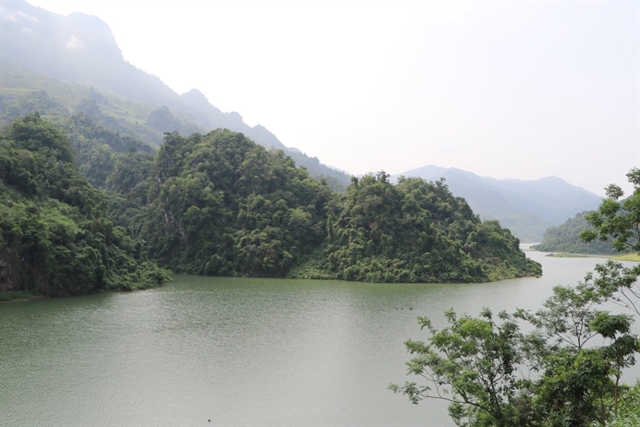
{"points": [[73, 64], [415, 231], [566, 238], [77, 48], [527, 208], [218, 204]]}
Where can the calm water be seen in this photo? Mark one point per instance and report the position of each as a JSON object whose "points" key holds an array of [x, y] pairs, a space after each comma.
{"points": [[237, 351]]}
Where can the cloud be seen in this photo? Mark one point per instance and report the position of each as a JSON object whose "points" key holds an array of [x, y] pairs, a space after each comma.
{"points": [[74, 43]]}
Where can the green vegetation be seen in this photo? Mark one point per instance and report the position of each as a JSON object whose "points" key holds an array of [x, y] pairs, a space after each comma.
{"points": [[567, 371], [629, 410], [55, 237], [25, 92], [415, 231], [627, 257], [617, 220], [566, 238], [566, 255], [218, 204], [97, 148]]}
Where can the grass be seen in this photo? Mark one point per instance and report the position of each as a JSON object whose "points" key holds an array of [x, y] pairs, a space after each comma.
{"points": [[15, 91], [6, 296], [621, 257], [626, 257]]}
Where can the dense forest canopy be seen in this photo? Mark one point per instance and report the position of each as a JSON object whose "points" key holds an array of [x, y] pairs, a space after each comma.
{"points": [[100, 205], [55, 235], [566, 238], [415, 231], [221, 205]]}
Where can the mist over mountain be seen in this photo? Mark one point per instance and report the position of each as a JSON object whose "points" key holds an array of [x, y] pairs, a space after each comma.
{"points": [[81, 50], [527, 208], [65, 65], [78, 49]]}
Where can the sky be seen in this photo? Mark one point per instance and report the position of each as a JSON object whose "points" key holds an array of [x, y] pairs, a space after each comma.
{"points": [[507, 89]]}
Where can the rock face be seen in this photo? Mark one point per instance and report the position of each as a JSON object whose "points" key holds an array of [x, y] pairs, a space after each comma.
{"points": [[6, 280]]}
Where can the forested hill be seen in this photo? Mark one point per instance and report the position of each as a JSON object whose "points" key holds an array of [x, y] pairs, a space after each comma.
{"points": [[219, 204], [565, 238], [62, 65], [55, 234], [414, 231], [527, 208]]}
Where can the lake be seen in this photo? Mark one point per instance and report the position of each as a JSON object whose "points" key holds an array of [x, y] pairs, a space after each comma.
{"points": [[251, 352]]}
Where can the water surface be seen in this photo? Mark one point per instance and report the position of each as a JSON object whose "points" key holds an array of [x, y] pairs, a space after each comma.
{"points": [[257, 352]]}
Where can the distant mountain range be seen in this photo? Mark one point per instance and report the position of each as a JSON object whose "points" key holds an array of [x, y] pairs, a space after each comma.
{"points": [[63, 65], [80, 50], [527, 208]]}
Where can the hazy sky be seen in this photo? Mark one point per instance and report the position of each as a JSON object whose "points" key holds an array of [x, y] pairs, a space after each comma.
{"points": [[505, 89]]}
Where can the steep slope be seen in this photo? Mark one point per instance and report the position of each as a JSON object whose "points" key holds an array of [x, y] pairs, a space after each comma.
{"points": [[55, 237], [212, 116], [219, 204], [527, 208], [77, 48], [80, 49], [414, 231]]}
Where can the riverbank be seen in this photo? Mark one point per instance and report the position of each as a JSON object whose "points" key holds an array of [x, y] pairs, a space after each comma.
{"points": [[6, 296], [622, 257]]}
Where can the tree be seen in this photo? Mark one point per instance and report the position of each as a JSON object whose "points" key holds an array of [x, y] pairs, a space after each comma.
{"points": [[416, 231], [474, 364], [55, 235], [494, 375], [579, 383], [619, 220]]}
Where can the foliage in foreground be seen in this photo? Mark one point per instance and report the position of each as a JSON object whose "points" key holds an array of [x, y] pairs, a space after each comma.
{"points": [[628, 411], [55, 237], [495, 375], [567, 372]]}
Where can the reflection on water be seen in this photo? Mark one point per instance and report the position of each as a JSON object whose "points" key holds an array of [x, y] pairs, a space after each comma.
{"points": [[237, 351]]}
